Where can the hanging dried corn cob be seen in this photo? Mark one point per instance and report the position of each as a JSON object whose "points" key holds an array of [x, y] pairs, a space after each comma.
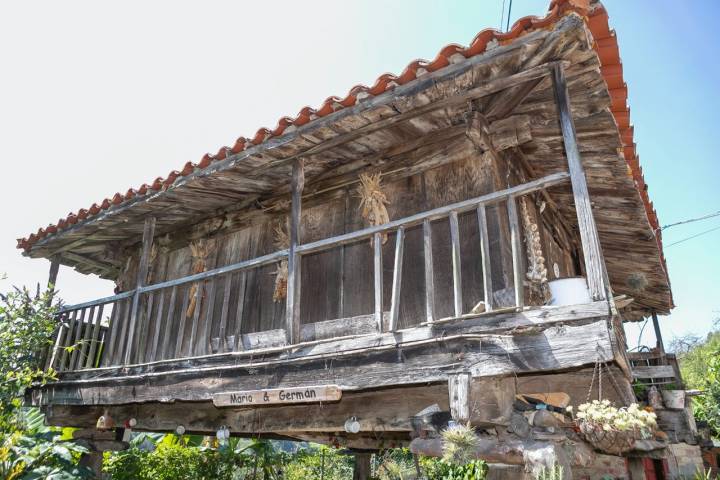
{"points": [[199, 252], [282, 241], [373, 201]]}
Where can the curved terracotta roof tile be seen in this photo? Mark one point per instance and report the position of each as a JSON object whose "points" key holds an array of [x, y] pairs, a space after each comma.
{"points": [[605, 44]]}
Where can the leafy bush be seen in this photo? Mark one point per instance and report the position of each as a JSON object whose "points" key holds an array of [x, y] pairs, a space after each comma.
{"points": [[29, 449]]}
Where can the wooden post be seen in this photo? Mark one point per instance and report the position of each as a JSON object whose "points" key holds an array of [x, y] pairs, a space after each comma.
{"points": [[594, 265], [361, 470], [517, 257], [292, 311], [429, 273], [147, 238], [485, 257], [459, 392], [54, 268], [660, 345], [378, 280], [397, 280], [457, 275]]}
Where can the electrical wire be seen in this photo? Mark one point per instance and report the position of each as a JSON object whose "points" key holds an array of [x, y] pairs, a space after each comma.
{"points": [[502, 15], [691, 220], [692, 236], [507, 28]]}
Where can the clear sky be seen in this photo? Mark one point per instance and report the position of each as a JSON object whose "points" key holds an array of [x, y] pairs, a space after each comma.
{"points": [[96, 97]]}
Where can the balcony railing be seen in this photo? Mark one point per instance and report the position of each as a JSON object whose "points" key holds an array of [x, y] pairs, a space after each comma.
{"points": [[149, 323]]}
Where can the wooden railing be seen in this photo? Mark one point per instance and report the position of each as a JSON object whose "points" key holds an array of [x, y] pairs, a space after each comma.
{"points": [[149, 323]]}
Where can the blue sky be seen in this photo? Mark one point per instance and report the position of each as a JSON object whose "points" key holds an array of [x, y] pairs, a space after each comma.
{"points": [[100, 97]]}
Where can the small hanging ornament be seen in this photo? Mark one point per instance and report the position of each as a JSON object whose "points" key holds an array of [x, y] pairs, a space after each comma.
{"points": [[105, 422], [373, 201]]}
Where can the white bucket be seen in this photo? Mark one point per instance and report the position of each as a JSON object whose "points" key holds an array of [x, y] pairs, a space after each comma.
{"points": [[569, 291]]}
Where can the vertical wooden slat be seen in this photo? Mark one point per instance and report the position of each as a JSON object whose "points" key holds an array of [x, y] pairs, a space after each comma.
{"points": [[224, 312], [517, 259], [143, 327], [111, 336], [158, 328], [196, 318], [169, 324], [429, 272], [397, 279], [177, 352], [123, 346], [203, 344], [94, 339], [56, 353], [239, 311], [457, 274], [292, 311], [592, 251], [378, 280], [67, 341], [485, 257], [78, 342], [147, 238]]}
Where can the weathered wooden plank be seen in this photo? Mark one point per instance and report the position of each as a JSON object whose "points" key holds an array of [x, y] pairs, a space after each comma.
{"points": [[203, 344], [517, 254], [77, 339], [224, 312], [94, 339], [169, 326], [122, 345], [592, 252], [111, 336], [653, 371], [429, 272], [147, 239], [459, 394], [143, 326], [157, 328], [340, 327], [455, 253], [177, 352], [57, 353], [54, 269], [397, 279], [485, 258], [239, 312], [84, 347], [196, 319], [378, 279], [292, 310]]}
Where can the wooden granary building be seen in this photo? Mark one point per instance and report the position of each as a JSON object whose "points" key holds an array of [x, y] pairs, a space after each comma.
{"points": [[393, 252]]}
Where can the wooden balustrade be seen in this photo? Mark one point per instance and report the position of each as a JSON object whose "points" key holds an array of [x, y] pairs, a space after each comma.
{"points": [[150, 323]]}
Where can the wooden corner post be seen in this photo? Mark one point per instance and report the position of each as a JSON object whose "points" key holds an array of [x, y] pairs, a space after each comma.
{"points": [[292, 310], [594, 263], [147, 240]]}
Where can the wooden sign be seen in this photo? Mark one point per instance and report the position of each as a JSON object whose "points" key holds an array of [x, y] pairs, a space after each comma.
{"points": [[275, 396]]}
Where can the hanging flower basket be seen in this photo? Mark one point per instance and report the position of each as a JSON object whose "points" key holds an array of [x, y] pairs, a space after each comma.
{"points": [[614, 430]]}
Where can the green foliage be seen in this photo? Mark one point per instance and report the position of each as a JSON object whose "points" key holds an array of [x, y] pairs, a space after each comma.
{"points": [[29, 449], [437, 469], [550, 473], [318, 462], [700, 367], [459, 444]]}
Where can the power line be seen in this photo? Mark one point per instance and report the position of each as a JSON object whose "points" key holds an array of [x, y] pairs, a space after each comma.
{"points": [[502, 15], [507, 28], [711, 215], [693, 236]]}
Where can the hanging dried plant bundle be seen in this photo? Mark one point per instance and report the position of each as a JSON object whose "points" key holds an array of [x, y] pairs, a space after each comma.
{"points": [[537, 271], [282, 241], [199, 252], [373, 201]]}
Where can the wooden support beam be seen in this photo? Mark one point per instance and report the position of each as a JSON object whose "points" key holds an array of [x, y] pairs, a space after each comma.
{"points": [[485, 258], [361, 469], [592, 252], [292, 311], [659, 344], [90, 262], [457, 274], [517, 255], [147, 239], [54, 268], [397, 280], [459, 394], [429, 273], [378, 279]]}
